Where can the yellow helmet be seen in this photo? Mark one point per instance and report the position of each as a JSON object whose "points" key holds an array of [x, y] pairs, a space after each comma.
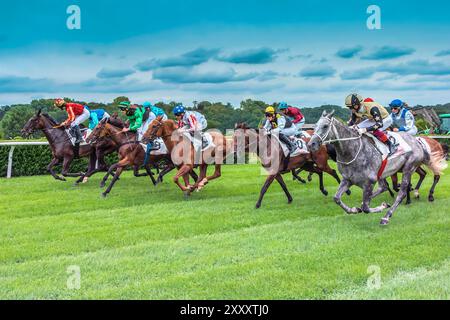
{"points": [[270, 109], [353, 100]]}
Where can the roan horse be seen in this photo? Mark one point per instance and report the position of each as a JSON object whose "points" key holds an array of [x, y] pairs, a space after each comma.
{"points": [[62, 148], [274, 161], [359, 162], [184, 155]]}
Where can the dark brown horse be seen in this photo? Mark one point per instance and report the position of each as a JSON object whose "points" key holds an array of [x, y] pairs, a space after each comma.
{"points": [[275, 162], [62, 148]]}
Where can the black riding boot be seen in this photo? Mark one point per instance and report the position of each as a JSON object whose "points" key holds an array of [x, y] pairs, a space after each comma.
{"points": [[285, 139], [78, 135], [392, 147]]}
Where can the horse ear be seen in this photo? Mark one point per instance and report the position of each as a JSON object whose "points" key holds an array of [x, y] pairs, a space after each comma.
{"points": [[330, 114], [324, 113], [39, 112]]}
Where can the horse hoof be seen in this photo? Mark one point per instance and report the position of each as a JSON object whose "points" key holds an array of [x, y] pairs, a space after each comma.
{"points": [[416, 194], [289, 201], [384, 221], [386, 205], [257, 206], [324, 192], [85, 179], [430, 198], [104, 194], [408, 202], [348, 192]]}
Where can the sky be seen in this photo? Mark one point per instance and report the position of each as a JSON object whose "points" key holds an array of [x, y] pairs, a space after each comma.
{"points": [[306, 53]]}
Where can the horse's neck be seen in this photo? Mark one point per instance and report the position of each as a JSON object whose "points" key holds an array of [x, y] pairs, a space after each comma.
{"points": [[120, 137], [52, 135], [347, 148], [167, 138]]}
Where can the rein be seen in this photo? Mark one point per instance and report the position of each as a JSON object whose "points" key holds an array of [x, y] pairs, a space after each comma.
{"points": [[330, 141]]}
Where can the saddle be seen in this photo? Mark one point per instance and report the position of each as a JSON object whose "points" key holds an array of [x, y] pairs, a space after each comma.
{"points": [[85, 132], [396, 139], [205, 143], [301, 145], [158, 147]]}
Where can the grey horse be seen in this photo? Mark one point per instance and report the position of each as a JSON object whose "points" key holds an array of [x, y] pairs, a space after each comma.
{"points": [[359, 161]]}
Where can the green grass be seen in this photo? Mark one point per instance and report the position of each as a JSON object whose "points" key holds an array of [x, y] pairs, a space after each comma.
{"points": [[148, 243]]}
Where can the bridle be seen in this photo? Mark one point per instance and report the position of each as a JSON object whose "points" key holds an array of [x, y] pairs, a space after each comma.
{"points": [[324, 140]]}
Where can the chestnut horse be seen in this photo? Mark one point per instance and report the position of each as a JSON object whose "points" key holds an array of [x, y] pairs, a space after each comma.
{"points": [[184, 155]]}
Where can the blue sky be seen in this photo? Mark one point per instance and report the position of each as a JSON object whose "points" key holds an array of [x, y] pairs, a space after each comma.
{"points": [[304, 52]]}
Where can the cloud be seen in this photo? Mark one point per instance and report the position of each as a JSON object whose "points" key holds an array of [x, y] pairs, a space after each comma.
{"points": [[300, 56], [443, 53], [251, 56], [189, 75], [188, 59], [14, 84], [318, 71], [419, 67], [363, 73], [388, 52], [106, 73], [267, 75], [350, 52]]}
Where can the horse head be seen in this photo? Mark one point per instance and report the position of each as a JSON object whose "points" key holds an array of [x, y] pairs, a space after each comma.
{"points": [[34, 123], [155, 130], [321, 131], [99, 132]]}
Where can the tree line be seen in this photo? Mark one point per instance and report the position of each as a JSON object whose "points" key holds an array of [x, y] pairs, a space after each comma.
{"points": [[219, 115]]}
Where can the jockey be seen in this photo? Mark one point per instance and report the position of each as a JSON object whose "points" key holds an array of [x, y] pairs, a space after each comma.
{"points": [[77, 114], [134, 115], [96, 116], [377, 118], [276, 122], [190, 121], [403, 118], [294, 114], [155, 110]]}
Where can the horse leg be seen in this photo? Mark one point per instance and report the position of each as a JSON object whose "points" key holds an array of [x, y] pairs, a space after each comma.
{"points": [[368, 195], [266, 186], [136, 172], [165, 171], [422, 173], [382, 187], [181, 172], [217, 174], [110, 172], [394, 178], [50, 166], [284, 187], [295, 176], [431, 193], [343, 187], [150, 174], [406, 181], [115, 178]]}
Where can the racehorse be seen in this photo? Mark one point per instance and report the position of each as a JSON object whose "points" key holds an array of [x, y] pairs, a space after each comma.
{"points": [[59, 141], [359, 162], [274, 160], [438, 151], [130, 153], [183, 153]]}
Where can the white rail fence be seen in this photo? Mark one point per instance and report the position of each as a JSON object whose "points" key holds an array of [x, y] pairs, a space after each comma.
{"points": [[40, 143], [11, 152]]}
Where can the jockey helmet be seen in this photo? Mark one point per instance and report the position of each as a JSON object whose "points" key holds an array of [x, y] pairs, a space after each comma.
{"points": [[282, 105], [147, 104], [353, 100], [270, 110], [124, 105], [397, 103], [179, 110], [59, 102]]}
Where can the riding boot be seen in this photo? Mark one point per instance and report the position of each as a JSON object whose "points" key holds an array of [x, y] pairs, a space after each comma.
{"points": [[392, 147], [285, 139], [78, 135]]}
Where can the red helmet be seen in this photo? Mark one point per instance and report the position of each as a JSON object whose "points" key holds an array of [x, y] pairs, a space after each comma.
{"points": [[59, 102]]}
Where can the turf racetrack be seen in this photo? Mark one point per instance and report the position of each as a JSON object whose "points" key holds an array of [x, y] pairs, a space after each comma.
{"points": [[144, 242]]}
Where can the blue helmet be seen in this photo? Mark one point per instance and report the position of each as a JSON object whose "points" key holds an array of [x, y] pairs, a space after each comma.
{"points": [[178, 110], [147, 104], [282, 105], [397, 103]]}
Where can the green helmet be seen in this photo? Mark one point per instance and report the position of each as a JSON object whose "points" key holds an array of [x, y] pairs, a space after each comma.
{"points": [[124, 105]]}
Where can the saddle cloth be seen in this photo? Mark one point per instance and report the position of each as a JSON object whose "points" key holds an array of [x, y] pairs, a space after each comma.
{"points": [[198, 145], [396, 138], [85, 132], [162, 149], [302, 148]]}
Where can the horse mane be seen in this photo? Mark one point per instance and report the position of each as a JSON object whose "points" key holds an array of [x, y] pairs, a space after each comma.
{"points": [[49, 118]]}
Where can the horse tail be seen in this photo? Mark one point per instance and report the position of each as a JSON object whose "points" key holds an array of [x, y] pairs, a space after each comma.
{"points": [[445, 149], [331, 150], [438, 158]]}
